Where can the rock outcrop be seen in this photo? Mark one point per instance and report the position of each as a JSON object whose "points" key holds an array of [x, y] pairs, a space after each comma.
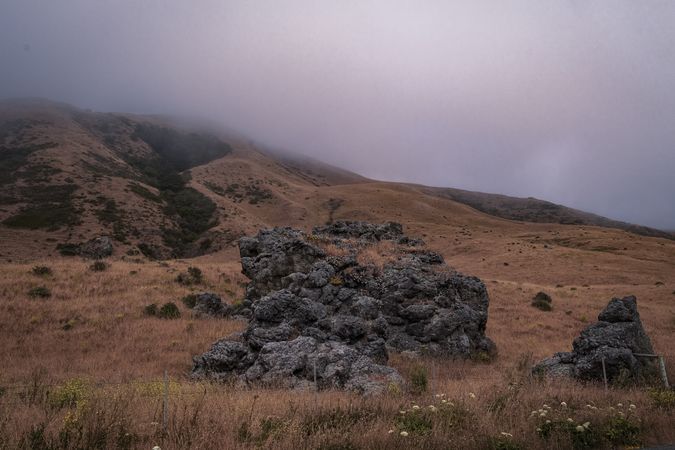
{"points": [[97, 248], [617, 337], [327, 317]]}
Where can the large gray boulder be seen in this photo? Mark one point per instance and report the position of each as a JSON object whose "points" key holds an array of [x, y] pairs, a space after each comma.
{"points": [[309, 307], [617, 337]]}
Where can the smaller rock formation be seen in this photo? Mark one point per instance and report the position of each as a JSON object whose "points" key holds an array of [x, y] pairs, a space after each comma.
{"points": [[617, 337], [542, 301], [97, 248]]}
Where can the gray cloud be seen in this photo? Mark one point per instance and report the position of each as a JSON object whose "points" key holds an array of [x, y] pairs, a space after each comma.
{"points": [[570, 101]]}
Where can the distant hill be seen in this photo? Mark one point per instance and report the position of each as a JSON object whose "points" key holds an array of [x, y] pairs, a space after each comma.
{"points": [[539, 211], [167, 190]]}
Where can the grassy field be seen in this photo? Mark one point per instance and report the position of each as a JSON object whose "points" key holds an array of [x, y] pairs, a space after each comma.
{"points": [[83, 368]]}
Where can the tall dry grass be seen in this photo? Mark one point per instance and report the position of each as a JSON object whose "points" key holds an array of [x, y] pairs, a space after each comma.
{"points": [[97, 382]]}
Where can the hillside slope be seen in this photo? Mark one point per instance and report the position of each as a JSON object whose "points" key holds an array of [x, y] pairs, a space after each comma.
{"points": [[69, 175]]}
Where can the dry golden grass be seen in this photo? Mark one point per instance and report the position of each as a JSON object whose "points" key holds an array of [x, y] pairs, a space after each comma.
{"points": [[121, 354]]}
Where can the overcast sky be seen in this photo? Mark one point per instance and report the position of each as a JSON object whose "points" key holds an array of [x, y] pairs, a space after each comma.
{"points": [[569, 101]]}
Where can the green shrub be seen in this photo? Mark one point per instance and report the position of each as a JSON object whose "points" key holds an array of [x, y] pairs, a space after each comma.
{"points": [[542, 301], [144, 192], [620, 431], [193, 275], [70, 393], [415, 422], [68, 249], [39, 292], [42, 271], [418, 379], [542, 305], [663, 398], [98, 266], [150, 310], [169, 311], [190, 300]]}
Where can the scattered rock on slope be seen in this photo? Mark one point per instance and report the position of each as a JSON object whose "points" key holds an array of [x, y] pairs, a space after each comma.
{"points": [[616, 337], [315, 312]]}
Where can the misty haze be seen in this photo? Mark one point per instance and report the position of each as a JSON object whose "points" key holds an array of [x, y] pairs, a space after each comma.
{"points": [[337, 225]]}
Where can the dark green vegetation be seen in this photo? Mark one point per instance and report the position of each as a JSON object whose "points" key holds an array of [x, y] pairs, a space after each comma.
{"points": [[167, 311], [98, 266], [16, 146], [144, 193], [48, 206], [193, 214], [193, 275], [39, 292], [190, 300], [181, 150], [68, 249], [42, 271], [173, 153], [542, 301], [166, 167], [540, 211]]}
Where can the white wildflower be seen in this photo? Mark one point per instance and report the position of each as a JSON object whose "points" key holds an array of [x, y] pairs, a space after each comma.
{"points": [[621, 414], [542, 414], [586, 425], [631, 407], [505, 434], [403, 433], [563, 404], [391, 431], [415, 407], [580, 428], [402, 412], [156, 447], [570, 420], [432, 408], [620, 405], [538, 430], [472, 395], [444, 401], [548, 421], [546, 406]]}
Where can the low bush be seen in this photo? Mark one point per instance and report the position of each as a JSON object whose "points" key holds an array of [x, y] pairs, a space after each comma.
{"points": [[190, 300], [542, 301], [168, 311], [68, 249], [42, 271], [39, 292], [193, 275], [151, 309], [419, 379], [98, 266], [663, 398]]}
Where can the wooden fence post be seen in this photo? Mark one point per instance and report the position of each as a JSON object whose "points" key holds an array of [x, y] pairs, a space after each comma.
{"points": [[165, 404]]}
